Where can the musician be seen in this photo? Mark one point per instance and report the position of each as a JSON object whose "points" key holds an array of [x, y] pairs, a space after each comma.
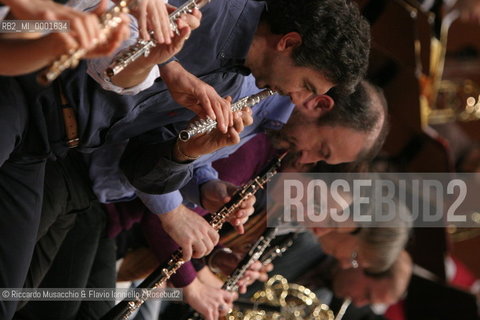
{"points": [[367, 288], [110, 119], [100, 135], [331, 283], [264, 42], [268, 112], [28, 129]]}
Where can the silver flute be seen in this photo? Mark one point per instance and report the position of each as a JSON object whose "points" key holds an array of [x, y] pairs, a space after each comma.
{"points": [[109, 21], [208, 124], [142, 47]]}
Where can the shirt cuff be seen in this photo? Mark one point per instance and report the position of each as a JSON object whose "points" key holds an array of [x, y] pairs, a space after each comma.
{"points": [[191, 191], [184, 276], [96, 67], [161, 203]]}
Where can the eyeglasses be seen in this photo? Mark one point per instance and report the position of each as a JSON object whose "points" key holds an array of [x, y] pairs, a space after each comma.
{"points": [[354, 261]]}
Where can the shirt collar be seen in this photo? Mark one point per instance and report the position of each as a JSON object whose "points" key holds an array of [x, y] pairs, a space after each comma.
{"points": [[277, 112], [234, 52]]}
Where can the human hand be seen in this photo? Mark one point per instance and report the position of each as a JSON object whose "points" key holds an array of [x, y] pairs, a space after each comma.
{"points": [[152, 15], [209, 278], [207, 143], [164, 51], [211, 302], [111, 40], [256, 271], [216, 193], [190, 231], [194, 94], [226, 261]]}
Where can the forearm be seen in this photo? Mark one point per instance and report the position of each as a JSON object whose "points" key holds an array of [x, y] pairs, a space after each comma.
{"points": [[137, 71], [172, 71], [45, 53], [17, 3], [163, 247], [134, 74]]}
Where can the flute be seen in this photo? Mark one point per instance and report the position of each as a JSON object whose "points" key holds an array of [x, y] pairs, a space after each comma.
{"points": [[208, 124], [109, 21], [157, 278], [142, 47]]}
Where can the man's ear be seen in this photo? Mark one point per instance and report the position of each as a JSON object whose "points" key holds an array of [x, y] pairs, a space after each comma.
{"points": [[289, 41], [317, 106]]}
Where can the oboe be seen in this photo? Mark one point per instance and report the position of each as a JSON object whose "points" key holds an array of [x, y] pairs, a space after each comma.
{"points": [[125, 308], [208, 124], [257, 252], [109, 21], [253, 255], [278, 249], [142, 47]]}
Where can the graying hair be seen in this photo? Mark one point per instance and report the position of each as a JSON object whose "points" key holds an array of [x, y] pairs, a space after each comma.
{"points": [[382, 242]]}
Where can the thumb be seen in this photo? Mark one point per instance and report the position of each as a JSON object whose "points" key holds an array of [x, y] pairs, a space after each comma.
{"points": [[187, 252], [224, 192], [227, 297], [240, 229], [178, 41], [231, 189]]}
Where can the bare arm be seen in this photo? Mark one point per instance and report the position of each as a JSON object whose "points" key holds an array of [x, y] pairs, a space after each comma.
{"points": [[46, 49], [85, 33]]}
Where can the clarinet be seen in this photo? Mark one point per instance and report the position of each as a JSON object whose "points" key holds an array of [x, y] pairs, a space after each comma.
{"points": [[142, 47], [258, 252], [157, 278], [206, 125], [109, 21]]}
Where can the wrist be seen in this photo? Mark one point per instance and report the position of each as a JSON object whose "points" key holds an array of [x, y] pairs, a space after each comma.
{"points": [[167, 218], [182, 155], [163, 64], [170, 70]]}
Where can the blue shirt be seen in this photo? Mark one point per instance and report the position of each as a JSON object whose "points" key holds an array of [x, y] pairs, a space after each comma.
{"points": [[215, 53], [154, 160]]}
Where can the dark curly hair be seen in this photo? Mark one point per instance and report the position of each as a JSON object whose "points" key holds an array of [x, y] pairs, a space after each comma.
{"points": [[335, 37]]}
